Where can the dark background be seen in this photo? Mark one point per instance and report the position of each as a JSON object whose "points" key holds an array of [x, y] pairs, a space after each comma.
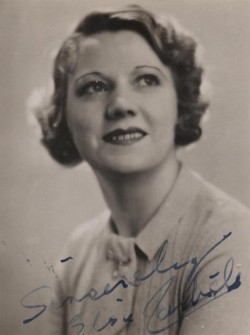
{"points": [[42, 202]]}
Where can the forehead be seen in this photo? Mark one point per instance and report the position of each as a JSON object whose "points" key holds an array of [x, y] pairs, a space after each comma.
{"points": [[111, 49]]}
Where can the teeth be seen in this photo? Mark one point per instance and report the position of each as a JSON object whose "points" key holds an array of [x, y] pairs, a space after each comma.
{"points": [[126, 137]]}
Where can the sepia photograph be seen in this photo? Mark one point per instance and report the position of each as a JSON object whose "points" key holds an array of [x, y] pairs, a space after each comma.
{"points": [[125, 183]]}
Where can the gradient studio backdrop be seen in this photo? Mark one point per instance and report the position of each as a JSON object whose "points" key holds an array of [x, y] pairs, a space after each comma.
{"points": [[42, 202]]}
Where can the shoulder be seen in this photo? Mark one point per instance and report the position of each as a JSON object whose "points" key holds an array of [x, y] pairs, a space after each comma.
{"points": [[91, 228], [218, 239], [88, 233], [216, 216], [85, 239], [218, 205], [212, 216], [82, 247]]}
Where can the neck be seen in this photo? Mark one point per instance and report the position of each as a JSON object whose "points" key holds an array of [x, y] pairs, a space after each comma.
{"points": [[134, 198]]}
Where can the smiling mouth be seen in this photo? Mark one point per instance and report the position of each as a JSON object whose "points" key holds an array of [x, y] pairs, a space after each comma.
{"points": [[124, 137]]}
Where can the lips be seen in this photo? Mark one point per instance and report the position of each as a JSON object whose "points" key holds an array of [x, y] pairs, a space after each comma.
{"points": [[124, 136]]}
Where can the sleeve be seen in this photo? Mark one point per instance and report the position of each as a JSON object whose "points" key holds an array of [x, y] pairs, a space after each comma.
{"points": [[216, 297]]}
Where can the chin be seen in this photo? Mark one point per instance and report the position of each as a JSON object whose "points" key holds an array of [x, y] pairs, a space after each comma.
{"points": [[126, 165]]}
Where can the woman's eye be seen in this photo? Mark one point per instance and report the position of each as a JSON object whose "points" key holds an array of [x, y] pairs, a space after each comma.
{"points": [[93, 87], [148, 80]]}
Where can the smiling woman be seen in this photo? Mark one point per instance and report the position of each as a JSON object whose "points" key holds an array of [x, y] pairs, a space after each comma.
{"points": [[122, 118], [171, 255]]}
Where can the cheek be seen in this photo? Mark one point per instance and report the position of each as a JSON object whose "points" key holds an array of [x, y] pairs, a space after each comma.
{"points": [[83, 118], [165, 116]]}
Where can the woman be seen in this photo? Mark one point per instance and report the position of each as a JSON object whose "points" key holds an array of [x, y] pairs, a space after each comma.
{"points": [[171, 256]]}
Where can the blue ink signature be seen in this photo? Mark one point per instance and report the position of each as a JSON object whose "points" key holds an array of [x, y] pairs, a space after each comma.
{"points": [[66, 259], [194, 299], [155, 309]]}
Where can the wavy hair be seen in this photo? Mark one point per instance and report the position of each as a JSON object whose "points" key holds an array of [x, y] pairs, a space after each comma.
{"points": [[175, 48]]}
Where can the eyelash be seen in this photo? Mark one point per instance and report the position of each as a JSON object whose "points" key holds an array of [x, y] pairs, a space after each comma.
{"points": [[100, 87], [149, 80], [97, 86]]}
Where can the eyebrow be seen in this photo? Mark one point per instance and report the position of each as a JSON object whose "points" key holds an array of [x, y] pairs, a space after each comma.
{"points": [[95, 73], [148, 66]]}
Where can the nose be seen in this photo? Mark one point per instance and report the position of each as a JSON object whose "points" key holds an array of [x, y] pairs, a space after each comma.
{"points": [[119, 107]]}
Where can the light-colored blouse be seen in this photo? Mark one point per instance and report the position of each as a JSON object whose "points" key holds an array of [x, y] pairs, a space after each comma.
{"points": [[186, 273]]}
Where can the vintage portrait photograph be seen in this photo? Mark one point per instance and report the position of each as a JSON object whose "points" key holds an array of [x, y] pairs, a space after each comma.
{"points": [[125, 164]]}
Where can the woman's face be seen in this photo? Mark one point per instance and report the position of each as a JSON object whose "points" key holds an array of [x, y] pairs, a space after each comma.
{"points": [[122, 104]]}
